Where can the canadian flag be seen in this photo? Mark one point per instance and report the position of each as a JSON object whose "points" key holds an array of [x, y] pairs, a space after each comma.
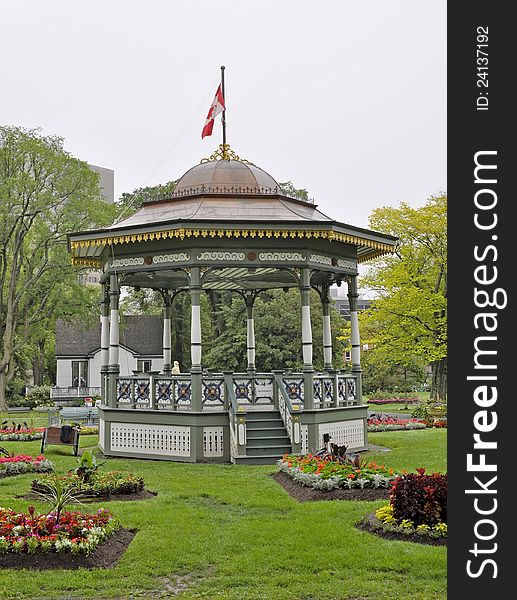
{"points": [[216, 108]]}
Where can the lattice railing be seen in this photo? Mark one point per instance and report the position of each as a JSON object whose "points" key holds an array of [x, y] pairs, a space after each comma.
{"points": [[155, 392], [174, 392]]}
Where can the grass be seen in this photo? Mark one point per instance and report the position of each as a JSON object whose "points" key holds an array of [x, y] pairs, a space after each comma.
{"points": [[231, 532], [398, 406], [392, 407], [412, 449]]}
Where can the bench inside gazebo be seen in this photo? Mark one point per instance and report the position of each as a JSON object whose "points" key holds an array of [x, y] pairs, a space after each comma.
{"points": [[228, 226]]}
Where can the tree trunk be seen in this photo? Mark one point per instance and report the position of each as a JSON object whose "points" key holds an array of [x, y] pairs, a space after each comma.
{"points": [[439, 380], [38, 363], [3, 404]]}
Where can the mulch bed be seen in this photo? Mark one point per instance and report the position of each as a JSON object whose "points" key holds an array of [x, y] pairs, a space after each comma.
{"points": [[143, 495], [105, 556], [303, 493], [373, 525]]}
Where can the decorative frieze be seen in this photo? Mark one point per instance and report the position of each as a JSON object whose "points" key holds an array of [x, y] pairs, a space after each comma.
{"points": [[221, 256], [347, 263], [320, 260], [127, 262], [138, 261], [167, 258], [281, 256]]}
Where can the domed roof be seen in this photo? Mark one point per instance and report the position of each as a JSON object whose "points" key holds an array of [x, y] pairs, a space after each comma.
{"points": [[225, 176]]}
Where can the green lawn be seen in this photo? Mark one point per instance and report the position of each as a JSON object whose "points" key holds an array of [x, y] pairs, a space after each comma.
{"points": [[231, 532], [392, 407], [397, 406]]}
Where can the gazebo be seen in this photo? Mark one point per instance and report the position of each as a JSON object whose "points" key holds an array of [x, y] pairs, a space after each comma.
{"points": [[228, 226]]}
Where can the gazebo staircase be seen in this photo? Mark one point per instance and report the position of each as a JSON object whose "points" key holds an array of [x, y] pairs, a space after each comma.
{"points": [[267, 439]]}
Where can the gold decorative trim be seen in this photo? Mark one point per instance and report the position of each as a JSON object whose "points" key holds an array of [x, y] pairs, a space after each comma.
{"points": [[86, 262], [224, 152], [374, 255], [183, 233]]}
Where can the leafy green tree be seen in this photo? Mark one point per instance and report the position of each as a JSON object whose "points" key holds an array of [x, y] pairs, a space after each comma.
{"points": [[277, 317], [299, 193], [408, 320], [137, 301], [44, 194], [131, 202], [73, 303]]}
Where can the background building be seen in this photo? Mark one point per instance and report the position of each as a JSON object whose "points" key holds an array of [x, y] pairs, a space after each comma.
{"points": [[78, 354], [342, 304], [107, 183]]}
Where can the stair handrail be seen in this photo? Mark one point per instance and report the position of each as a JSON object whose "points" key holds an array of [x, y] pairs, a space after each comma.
{"points": [[237, 418], [291, 415]]}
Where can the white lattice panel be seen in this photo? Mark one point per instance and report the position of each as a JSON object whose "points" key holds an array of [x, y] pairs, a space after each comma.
{"points": [[304, 434], [212, 441], [348, 433], [170, 440], [101, 434]]}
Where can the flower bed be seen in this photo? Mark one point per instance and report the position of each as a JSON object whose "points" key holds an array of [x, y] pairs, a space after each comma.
{"points": [[21, 435], [99, 484], [393, 424], [88, 430], [393, 400], [417, 508], [32, 533], [319, 474], [23, 463]]}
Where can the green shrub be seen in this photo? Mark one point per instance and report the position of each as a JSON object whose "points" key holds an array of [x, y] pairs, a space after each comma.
{"points": [[420, 498], [39, 396], [99, 484]]}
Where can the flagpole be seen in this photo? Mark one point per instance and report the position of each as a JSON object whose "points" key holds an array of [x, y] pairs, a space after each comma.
{"points": [[223, 120]]}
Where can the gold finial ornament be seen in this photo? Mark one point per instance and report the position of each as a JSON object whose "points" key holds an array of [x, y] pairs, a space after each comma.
{"points": [[224, 152]]}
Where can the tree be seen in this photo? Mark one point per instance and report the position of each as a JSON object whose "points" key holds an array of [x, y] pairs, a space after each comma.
{"points": [[408, 320], [386, 365], [44, 194], [299, 193], [71, 302], [277, 316], [130, 203]]}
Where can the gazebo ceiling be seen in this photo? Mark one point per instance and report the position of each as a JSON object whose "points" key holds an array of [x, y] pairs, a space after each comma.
{"points": [[226, 278]]}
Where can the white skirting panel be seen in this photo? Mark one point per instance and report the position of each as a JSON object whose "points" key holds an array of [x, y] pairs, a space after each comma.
{"points": [[167, 440], [101, 434], [348, 433], [304, 434], [212, 441]]}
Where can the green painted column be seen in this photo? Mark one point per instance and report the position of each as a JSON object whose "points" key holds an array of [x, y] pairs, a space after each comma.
{"points": [[308, 369], [105, 340], [195, 339], [354, 334], [327, 332], [113, 353], [250, 333], [167, 366]]}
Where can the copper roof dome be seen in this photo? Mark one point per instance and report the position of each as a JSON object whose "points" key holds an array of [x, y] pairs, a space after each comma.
{"points": [[225, 176]]}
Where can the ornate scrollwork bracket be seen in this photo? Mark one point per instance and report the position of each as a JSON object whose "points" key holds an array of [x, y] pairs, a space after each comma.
{"points": [[224, 152]]}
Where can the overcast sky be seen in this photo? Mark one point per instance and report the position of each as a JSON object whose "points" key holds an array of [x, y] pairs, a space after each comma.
{"points": [[346, 99]]}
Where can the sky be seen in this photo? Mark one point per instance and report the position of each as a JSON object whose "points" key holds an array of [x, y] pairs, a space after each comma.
{"points": [[346, 99]]}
